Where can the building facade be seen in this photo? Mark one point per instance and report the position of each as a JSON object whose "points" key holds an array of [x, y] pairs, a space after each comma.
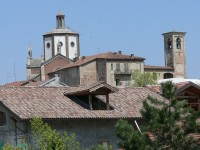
{"points": [[90, 112], [62, 56]]}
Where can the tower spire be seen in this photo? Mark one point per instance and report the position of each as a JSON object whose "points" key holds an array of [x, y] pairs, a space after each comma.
{"points": [[60, 20]]}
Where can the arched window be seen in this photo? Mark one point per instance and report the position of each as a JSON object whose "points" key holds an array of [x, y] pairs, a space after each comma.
{"points": [[169, 43], [2, 118], [178, 43], [168, 75]]}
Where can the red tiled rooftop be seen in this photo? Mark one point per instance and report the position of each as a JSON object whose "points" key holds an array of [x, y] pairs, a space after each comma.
{"points": [[17, 83], [157, 88], [109, 56], [50, 102], [148, 67]]}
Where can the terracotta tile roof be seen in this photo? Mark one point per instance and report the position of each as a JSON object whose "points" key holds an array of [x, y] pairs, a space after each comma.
{"points": [[17, 83], [50, 102], [148, 67], [180, 86], [26, 83], [154, 88], [108, 56], [89, 88], [57, 56], [34, 83]]}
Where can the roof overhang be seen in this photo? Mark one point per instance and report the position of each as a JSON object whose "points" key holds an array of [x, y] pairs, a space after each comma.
{"points": [[100, 88]]}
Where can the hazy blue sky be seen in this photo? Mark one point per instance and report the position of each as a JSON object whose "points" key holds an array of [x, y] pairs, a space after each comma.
{"points": [[132, 26]]}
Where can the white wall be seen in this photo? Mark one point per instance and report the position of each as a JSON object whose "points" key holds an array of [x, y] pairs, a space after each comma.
{"points": [[48, 51], [63, 48], [73, 50]]}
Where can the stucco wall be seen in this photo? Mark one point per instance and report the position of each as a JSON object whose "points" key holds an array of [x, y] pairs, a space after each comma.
{"points": [[12, 131], [160, 73], [89, 131], [123, 75]]}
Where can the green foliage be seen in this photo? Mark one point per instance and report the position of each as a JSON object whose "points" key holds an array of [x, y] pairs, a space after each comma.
{"points": [[49, 139], [171, 122], [8, 147], [142, 79], [130, 138], [168, 90]]}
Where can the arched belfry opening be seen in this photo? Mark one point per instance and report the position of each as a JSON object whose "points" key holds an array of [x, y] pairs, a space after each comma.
{"points": [[178, 43]]}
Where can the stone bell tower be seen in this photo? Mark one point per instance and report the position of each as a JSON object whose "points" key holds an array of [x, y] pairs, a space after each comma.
{"points": [[174, 49]]}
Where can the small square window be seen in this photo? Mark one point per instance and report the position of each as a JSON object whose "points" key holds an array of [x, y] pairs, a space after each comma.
{"points": [[2, 118], [111, 66]]}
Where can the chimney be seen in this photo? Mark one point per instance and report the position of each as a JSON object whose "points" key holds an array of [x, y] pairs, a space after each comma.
{"points": [[132, 55], [83, 57], [75, 59], [119, 52]]}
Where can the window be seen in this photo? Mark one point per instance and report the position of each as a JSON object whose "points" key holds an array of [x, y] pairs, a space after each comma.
{"points": [[168, 75], [60, 20], [48, 45], [72, 44], [178, 43], [97, 102], [2, 118], [118, 67], [118, 82], [126, 67], [169, 43], [111, 66]]}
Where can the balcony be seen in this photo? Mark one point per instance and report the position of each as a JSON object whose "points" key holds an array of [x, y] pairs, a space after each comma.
{"points": [[195, 106], [118, 71]]}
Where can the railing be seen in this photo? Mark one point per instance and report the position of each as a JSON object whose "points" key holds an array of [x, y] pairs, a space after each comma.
{"points": [[193, 104], [118, 71]]}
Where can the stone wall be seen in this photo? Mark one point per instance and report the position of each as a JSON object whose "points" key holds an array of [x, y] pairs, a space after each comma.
{"points": [[88, 73]]}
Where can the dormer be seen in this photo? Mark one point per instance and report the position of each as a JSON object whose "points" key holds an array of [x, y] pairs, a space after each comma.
{"points": [[93, 97]]}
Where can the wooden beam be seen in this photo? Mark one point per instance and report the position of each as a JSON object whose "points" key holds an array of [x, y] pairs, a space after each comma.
{"points": [[107, 102], [188, 97], [90, 102]]}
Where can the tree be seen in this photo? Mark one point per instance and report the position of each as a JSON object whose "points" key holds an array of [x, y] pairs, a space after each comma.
{"points": [[10, 147], [171, 122], [142, 79], [49, 139], [130, 139]]}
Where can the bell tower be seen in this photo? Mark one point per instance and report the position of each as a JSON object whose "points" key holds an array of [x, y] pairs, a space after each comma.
{"points": [[174, 49], [61, 40]]}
